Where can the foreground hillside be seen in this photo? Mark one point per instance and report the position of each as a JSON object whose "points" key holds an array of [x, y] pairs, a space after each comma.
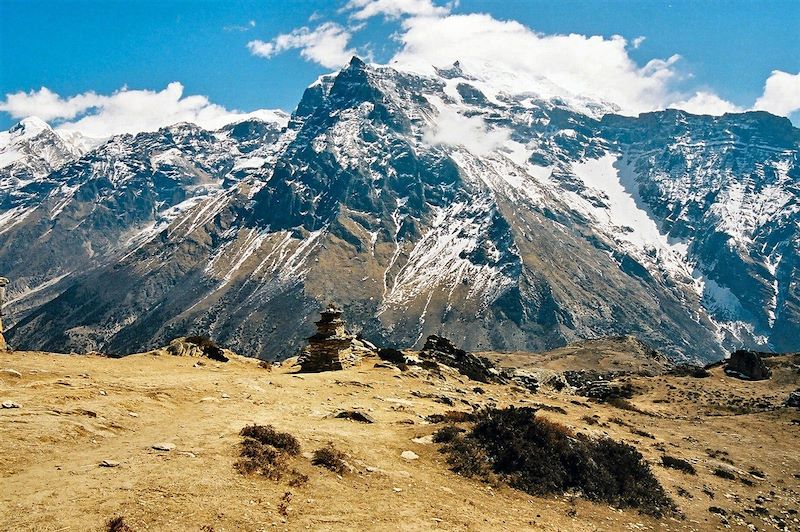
{"points": [[76, 411]]}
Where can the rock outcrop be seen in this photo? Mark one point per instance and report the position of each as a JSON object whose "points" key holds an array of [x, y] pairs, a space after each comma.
{"points": [[196, 346], [747, 365], [440, 350]]}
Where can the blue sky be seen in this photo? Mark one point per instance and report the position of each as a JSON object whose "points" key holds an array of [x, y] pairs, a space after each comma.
{"points": [[726, 48]]}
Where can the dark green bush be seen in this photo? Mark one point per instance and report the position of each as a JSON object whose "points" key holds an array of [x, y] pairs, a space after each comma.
{"points": [[678, 463], [542, 457], [446, 434]]}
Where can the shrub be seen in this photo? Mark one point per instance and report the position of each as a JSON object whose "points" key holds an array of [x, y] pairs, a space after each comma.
{"points": [[678, 463], [267, 435], [257, 457], [330, 458], [118, 524], [724, 473], [542, 457], [451, 416], [447, 434], [265, 451]]}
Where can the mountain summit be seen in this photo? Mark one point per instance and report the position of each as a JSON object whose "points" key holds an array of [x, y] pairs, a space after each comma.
{"points": [[424, 204]]}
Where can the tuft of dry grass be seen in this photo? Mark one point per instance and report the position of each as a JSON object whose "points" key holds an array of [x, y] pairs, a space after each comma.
{"points": [[118, 524], [265, 451], [267, 435], [330, 458]]}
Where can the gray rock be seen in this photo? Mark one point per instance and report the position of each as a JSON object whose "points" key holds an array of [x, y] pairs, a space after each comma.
{"points": [[109, 463], [10, 404], [794, 399], [409, 455], [11, 372], [747, 365], [355, 415], [164, 446]]}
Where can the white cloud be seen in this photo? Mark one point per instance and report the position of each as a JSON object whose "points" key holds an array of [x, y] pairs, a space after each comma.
{"points": [[453, 129], [393, 9], [706, 103], [781, 93], [46, 104], [581, 65], [327, 44], [125, 111], [241, 27], [637, 42]]}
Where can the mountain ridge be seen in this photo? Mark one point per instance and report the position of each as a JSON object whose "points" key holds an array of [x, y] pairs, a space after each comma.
{"points": [[547, 226]]}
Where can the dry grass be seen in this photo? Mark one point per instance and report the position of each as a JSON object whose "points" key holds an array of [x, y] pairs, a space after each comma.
{"points": [[265, 451], [330, 458]]}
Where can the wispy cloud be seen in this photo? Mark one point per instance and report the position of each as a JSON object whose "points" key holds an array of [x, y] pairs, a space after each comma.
{"points": [[328, 44], [394, 9], [241, 27]]}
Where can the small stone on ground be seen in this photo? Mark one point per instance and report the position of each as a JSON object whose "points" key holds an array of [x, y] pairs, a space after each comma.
{"points": [[409, 455]]}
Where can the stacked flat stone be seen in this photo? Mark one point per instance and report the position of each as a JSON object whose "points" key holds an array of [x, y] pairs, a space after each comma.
{"points": [[331, 348], [3, 284]]}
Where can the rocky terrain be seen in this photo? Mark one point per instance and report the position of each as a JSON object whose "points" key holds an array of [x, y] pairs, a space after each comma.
{"points": [[153, 440], [424, 204]]}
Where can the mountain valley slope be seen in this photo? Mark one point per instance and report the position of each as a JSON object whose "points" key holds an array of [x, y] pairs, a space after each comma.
{"points": [[560, 222]]}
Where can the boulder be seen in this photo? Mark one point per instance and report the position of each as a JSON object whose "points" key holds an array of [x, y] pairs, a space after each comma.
{"points": [[747, 365], [794, 399], [355, 415], [409, 455]]}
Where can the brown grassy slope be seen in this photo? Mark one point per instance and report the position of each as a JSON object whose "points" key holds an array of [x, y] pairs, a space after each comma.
{"points": [[79, 410]]}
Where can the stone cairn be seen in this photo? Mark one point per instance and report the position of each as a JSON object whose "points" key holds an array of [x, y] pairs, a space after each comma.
{"points": [[331, 348], [3, 284]]}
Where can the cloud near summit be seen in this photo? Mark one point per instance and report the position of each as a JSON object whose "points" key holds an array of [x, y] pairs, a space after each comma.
{"points": [[520, 57]]}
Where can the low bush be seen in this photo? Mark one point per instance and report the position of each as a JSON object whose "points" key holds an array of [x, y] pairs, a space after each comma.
{"points": [[330, 458], [451, 416], [678, 463], [267, 435], [265, 451], [724, 473], [447, 434], [117, 524], [542, 457]]}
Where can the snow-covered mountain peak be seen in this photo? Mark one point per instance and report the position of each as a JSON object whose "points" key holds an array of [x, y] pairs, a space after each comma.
{"points": [[30, 127]]}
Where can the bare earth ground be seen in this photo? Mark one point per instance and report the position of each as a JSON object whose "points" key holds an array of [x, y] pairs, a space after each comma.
{"points": [[76, 411]]}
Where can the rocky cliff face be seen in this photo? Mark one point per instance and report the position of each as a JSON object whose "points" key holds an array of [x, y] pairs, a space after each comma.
{"points": [[423, 205]]}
